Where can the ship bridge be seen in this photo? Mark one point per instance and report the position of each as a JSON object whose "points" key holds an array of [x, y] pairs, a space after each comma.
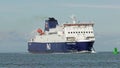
{"points": [[79, 32]]}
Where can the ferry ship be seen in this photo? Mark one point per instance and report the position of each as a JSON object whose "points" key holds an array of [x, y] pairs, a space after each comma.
{"points": [[69, 37]]}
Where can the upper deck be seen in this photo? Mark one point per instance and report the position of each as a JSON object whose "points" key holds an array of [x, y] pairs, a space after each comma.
{"points": [[81, 24]]}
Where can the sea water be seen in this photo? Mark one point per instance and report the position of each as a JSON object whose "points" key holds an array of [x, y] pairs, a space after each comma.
{"points": [[61, 60]]}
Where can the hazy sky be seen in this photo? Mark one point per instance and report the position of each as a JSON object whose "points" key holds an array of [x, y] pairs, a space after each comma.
{"points": [[18, 18]]}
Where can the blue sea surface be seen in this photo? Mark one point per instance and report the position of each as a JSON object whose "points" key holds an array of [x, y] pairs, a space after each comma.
{"points": [[67, 60]]}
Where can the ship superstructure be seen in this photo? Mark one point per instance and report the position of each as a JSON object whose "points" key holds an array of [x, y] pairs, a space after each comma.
{"points": [[69, 37]]}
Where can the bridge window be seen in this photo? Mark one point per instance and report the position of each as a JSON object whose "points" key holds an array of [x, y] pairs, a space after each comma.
{"points": [[80, 32]]}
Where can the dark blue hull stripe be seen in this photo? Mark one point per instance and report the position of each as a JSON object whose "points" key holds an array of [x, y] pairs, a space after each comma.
{"points": [[59, 47]]}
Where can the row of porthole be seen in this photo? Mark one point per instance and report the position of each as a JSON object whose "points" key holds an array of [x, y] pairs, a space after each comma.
{"points": [[81, 32]]}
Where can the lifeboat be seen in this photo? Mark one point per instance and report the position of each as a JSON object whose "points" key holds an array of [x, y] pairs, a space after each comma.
{"points": [[40, 31]]}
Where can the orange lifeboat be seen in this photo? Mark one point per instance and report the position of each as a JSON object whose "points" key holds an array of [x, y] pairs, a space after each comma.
{"points": [[40, 31]]}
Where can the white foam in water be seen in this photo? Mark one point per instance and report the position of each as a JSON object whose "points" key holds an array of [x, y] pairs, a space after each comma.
{"points": [[93, 52]]}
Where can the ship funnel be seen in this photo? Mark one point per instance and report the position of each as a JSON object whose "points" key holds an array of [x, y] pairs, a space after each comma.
{"points": [[50, 23]]}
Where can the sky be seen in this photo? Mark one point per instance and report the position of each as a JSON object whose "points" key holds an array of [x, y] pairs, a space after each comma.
{"points": [[19, 18]]}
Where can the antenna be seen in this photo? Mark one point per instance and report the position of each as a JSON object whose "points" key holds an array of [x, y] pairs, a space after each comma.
{"points": [[73, 19]]}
